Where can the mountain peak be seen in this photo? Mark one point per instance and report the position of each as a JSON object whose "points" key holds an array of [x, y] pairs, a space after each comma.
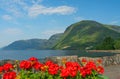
{"points": [[86, 33], [90, 22], [86, 23]]}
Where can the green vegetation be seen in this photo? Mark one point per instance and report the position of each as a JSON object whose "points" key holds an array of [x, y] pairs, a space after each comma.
{"points": [[117, 44], [108, 44], [86, 35]]}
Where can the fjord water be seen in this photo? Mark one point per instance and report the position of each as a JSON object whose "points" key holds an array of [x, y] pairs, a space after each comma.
{"points": [[41, 54]]}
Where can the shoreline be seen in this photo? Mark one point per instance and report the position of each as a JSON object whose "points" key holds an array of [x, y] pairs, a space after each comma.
{"points": [[110, 51]]}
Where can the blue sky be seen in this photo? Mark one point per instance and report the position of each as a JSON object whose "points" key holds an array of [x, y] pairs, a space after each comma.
{"points": [[27, 19]]}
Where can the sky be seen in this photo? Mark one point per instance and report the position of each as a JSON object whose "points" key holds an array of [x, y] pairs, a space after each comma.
{"points": [[28, 19]]}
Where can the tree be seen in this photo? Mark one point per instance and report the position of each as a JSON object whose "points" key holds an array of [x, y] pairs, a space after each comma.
{"points": [[117, 44], [107, 44]]}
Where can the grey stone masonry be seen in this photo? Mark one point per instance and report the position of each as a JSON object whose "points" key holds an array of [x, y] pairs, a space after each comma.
{"points": [[106, 60]]}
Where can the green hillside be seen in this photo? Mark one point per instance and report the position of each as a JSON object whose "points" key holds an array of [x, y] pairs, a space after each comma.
{"points": [[113, 27], [85, 35]]}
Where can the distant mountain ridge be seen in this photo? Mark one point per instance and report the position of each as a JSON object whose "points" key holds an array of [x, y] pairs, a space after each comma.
{"points": [[29, 44], [81, 35]]}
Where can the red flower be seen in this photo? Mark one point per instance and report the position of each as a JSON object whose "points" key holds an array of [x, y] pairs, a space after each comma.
{"points": [[48, 63], [64, 73], [8, 66], [1, 69], [25, 65], [100, 69], [9, 75], [75, 66], [73, 73], [70, 70], [61, 67], [84, 61], [33, 59], [37, 65], [99, 61], [91, 65], [53, 69], [87, 69], [83, 72]]}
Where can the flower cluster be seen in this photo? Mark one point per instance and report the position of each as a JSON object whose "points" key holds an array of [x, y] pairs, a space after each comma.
{"points": [[8, 71], [33, 69]]}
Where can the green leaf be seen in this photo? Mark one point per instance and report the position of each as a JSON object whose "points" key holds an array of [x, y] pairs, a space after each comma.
{"points": [[103, 77]]}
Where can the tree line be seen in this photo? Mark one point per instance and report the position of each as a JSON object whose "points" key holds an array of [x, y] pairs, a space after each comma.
{"points": [[109, 44]]}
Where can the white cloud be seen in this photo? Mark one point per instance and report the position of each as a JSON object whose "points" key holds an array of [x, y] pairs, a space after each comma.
{"points": [[10, 19], [12, 31], [13, 7], [7, 17], [36, 10], [114, 22], [32, 8]]}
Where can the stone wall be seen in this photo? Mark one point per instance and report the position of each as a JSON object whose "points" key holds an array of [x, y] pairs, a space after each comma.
{"points": [[106, 60], [2, 62], [111, 60], [59, 59]]}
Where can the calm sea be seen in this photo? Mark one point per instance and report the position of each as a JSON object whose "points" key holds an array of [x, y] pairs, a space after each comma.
{"points": [[25, 54]]}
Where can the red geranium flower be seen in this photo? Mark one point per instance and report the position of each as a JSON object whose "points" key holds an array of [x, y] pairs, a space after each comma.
{"points": [[8, 66], [99, 61], [91, 65], [83, 71], [1, 69], [48, 63], [53, 69], [37, 65], [100, 69], [73, 73], [84, 61], [64, 73], [25, 65], [9, 75], [33, 59]]}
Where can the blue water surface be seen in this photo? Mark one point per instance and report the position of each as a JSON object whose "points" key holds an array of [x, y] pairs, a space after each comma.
{"points": [[25, 54]]}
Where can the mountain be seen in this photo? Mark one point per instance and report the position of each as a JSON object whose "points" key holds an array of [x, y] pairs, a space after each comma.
{"points": [[34, 43], [54, 39], [86, 34], [27, 44]]}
